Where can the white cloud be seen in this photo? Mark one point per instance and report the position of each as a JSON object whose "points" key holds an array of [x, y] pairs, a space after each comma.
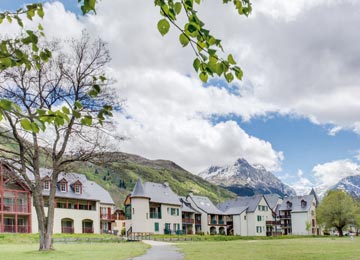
{"points": [[330, 173], [334, 130], [167, 117], [302, 184], [299, 57]]}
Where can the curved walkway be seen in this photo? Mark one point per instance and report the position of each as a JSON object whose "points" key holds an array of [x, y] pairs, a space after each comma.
{"points": [[160, 251]]}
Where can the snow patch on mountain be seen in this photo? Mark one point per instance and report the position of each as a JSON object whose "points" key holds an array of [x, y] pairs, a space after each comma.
{"points": [[246, 179]]}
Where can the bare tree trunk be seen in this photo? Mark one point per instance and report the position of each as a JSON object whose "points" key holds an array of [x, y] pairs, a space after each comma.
{"points": [[45, 242]]}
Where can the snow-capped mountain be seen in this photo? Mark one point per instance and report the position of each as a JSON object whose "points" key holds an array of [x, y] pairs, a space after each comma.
{"points": [[350, 184], [245, 179]]}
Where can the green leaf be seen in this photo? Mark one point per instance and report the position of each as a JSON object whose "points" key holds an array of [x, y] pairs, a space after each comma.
{"points": [[40, 12], [78, 104], [40, 124], [26, 124], [5, 104], [76, 114], [203, 76], [184, 40], [177, 7], [239, 74], [231, 59], [196, 64], [229, 77], [163, 26], [86, 120], [59, 121], [65, 110]]}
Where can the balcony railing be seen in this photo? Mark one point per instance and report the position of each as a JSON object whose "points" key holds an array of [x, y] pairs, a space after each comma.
{"points": [[107, 217], [18, 208], [188, 220], [155, 215], [67, 230], [88, 230], [221, 222], [12, 229]]}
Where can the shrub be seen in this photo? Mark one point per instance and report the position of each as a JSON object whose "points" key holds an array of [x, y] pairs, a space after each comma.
{"points": [[123, 231]]}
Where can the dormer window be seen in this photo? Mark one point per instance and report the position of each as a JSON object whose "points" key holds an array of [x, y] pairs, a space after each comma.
{"points": [[303, 203], [63, 187], [288, 204], [46, 185], [77, 187]]}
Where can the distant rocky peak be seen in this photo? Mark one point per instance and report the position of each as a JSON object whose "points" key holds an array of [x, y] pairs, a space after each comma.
{"points": [[242, 162], [241, 175]]}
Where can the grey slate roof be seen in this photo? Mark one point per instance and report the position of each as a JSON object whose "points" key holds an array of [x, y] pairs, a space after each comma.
{"points": [[186, 206], [237, 204], [139, 190], [90, 189], [293, 203], [272, 200], [204, 204], [157, 192]]}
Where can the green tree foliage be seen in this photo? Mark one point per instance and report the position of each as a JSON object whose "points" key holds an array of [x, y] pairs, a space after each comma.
{"points": [[194, 33], [336, 210]]}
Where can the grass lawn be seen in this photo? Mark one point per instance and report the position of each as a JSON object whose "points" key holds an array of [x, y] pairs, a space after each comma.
{"points": [[74, 251], [328, 248]]}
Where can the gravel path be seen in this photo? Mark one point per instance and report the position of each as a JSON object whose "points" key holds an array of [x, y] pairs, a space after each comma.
{"points": [[160, 251]]}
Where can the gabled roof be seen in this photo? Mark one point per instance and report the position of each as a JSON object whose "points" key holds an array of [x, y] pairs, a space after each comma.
{"points": [[272, 200], [186, 206], [90, 189], [239, 203], [313, 192], [204, 203], [293, 203]]}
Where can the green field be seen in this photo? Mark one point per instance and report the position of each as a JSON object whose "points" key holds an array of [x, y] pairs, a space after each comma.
{"points": [[328, 248], [20, 247], [25, 247]]}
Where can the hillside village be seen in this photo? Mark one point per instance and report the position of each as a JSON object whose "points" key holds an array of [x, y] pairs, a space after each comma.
{"points": [[83, 206]]}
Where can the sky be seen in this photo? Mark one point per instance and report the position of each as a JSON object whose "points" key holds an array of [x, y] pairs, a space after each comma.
{"points": [[296, 111]]}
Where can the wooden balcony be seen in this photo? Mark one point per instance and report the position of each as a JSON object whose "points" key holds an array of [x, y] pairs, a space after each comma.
{"points": [[14, 229], [107, 217], [188, 221]]}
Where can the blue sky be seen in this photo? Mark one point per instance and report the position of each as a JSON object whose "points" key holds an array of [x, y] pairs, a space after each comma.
{"points": [[295, 112]]}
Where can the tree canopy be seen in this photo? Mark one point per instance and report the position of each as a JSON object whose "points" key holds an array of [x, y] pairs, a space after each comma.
{"points": [[336, 210]]}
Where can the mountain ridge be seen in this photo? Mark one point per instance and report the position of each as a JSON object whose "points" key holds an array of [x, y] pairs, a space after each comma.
{"points": [[245, 179]]}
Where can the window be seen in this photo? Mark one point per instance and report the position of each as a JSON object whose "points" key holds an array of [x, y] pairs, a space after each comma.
{"points": [[156, 226], [258, 218], [63, 187], [259, 207], [172, 211], [77, 189], [47, 185], [245, 217], [258, 229], [177, 212]]}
